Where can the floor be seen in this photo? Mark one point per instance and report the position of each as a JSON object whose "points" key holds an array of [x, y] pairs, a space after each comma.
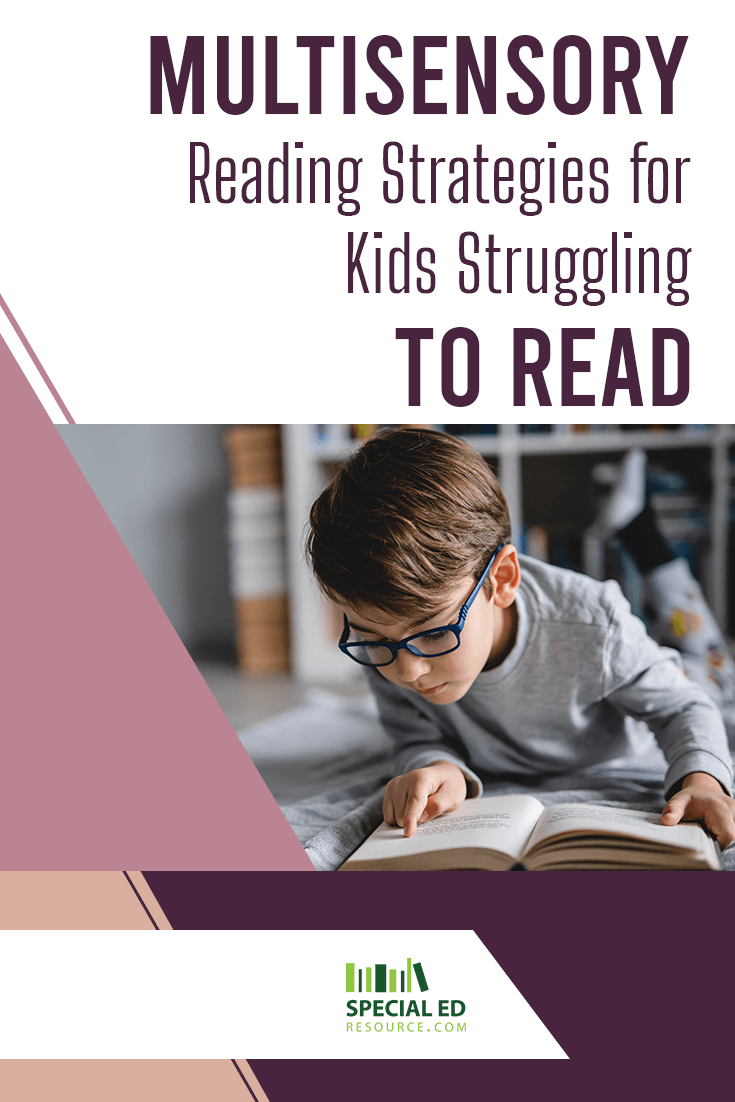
{"points": [[246, 700]]}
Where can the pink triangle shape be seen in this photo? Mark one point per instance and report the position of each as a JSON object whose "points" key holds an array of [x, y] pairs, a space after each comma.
{"points": [[115, 755]]}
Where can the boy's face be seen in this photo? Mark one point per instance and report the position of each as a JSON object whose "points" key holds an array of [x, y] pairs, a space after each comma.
{"points": [[487, 635]]}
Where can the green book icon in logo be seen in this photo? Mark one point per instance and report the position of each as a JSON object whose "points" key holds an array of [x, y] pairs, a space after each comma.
{"points": [[384, 978]]}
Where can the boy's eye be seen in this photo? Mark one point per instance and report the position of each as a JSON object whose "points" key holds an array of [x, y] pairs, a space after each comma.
{"points": [[436, 642]]}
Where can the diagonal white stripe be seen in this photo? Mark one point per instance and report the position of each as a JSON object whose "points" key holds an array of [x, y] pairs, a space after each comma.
{"points": [[30, 370]]}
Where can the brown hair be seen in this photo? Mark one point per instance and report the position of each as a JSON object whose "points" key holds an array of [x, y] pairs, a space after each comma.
{"points": [[407, 516]]}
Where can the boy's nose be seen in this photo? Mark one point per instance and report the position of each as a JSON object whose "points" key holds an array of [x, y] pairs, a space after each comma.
{"points": [[411, 666]]}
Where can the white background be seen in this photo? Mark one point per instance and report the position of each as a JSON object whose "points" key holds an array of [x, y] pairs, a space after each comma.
{"points": [[142, 307], [261, 994]]}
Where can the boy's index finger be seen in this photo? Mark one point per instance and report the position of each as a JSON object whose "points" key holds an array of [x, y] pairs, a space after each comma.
{"points": [[414, 807]]}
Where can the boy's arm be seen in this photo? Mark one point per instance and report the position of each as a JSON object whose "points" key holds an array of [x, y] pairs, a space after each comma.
{"points": [[686, 722], [647, 682]]}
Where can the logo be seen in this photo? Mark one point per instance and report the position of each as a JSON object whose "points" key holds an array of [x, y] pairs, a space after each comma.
{"points": [[398, 1010], [378, 972]]}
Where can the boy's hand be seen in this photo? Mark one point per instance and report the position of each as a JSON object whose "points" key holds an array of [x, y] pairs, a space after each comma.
{"points": [[423, 794], [701, 797]]}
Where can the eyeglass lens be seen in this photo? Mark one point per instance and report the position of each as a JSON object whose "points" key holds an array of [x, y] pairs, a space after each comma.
{"points": [[426, 646]]}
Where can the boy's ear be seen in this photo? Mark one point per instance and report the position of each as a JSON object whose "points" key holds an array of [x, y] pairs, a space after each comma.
{"points": [[506, 576]]}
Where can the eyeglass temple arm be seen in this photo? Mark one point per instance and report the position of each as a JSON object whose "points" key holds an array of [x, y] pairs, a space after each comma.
{"points": [[468, 603]]}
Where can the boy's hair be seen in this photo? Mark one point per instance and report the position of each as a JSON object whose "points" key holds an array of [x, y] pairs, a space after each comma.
{"points": [[403, 520]]}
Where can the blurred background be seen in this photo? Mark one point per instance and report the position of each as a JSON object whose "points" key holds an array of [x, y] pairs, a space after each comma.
{"points": [[214, 517]]}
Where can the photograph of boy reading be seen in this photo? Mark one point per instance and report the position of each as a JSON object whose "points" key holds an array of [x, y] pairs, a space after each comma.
{"points": [[486, 663]]}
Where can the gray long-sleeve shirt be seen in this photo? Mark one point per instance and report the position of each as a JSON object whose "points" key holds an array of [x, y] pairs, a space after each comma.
{"points": [[582, 668]]}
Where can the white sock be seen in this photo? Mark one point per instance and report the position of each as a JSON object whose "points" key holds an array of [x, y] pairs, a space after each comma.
{"points": [[628, 496]]}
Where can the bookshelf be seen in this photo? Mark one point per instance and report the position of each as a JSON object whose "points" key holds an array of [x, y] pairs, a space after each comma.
{"points": [[705, 454]]}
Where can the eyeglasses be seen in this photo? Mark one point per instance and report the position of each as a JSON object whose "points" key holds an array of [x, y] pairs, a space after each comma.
{"points": [[425, 644]]}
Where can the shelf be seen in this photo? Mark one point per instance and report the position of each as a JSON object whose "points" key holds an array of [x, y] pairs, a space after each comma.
{"points": [[517, 443], [542, 444]]}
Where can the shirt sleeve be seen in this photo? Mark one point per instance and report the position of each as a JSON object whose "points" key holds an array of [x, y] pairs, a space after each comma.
{"points": [[646, 681], [415, 729]]}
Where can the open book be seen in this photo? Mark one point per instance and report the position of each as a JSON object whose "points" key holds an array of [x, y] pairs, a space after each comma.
{"points": [[498, 832]]}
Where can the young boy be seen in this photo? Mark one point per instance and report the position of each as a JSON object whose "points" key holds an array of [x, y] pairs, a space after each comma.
{"points": [[480, 667]]}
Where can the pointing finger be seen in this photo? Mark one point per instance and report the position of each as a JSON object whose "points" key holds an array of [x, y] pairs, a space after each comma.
{"points": [[414, 808]]}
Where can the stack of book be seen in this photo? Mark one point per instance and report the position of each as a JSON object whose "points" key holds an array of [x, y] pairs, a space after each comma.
{"points": [[257, 547]]}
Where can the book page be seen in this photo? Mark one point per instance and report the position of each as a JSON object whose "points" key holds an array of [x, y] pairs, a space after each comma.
{"points": [[502, 823], [593, 819]]}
